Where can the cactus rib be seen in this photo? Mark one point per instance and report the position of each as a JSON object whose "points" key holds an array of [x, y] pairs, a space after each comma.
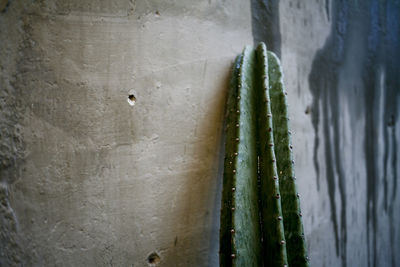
{"points": [[228, 183], [296, 247], [274, 247]]}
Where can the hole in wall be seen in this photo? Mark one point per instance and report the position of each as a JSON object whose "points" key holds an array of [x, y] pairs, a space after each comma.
{"points": [[4, 5], [153, 259], [132, 98]]}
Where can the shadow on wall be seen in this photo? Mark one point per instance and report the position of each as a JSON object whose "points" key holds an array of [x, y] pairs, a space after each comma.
{"points": [[201, 196], [265, 24]]}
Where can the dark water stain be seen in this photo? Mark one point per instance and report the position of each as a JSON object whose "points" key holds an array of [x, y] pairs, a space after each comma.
{"points": [[324, 79], [266, 25], [368, 32]]}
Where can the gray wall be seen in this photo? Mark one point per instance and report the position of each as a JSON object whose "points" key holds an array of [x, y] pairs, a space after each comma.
{"points": [[87, 179]]}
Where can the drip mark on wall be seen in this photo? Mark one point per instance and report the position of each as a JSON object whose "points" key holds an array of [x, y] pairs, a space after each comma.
{"points": [[376, 43]]}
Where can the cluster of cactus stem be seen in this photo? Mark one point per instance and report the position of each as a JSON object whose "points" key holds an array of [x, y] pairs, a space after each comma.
{"points": [[261, 221]]}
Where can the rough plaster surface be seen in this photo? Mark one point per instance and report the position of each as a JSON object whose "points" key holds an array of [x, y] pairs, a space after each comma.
{"points": [[88, 180]]}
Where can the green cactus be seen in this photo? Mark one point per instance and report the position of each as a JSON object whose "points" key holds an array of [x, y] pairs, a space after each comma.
{"points": [[296, 248], [253, 222]]}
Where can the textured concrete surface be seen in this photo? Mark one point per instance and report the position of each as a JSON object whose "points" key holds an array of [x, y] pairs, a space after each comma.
{"points": [[88, 180]]}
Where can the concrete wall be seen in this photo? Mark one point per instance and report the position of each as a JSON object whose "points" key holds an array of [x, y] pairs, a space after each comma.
{"points": [[88, 180]]}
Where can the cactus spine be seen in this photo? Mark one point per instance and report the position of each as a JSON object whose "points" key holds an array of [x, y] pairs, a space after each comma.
{"points": [[252, 216]]}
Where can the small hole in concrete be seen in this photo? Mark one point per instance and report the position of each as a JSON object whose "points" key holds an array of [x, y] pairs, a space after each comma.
{"points": [[131, 99], [153, 259]]}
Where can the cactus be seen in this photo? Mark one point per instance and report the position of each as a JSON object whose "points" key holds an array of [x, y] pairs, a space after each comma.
{"points": [[253, 227]]}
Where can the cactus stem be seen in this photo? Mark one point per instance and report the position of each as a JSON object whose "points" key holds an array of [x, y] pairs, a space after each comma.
{"points": [[270, 208]]}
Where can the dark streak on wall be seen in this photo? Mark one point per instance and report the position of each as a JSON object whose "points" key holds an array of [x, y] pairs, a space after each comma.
{"points": [[265, 24], [327, 9], [364, 42], [324, 88]]}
